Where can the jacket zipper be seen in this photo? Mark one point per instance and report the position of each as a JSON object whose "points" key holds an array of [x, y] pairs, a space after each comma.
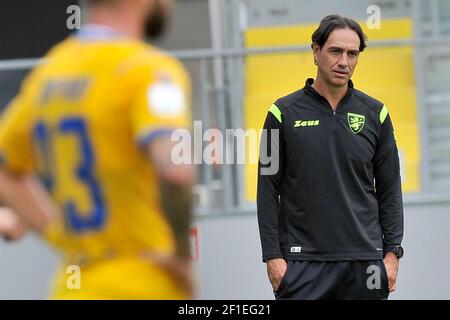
{"points": [[334, 121]]}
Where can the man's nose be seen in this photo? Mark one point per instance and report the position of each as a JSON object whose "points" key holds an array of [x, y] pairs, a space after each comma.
{"points": [[343, 61]]}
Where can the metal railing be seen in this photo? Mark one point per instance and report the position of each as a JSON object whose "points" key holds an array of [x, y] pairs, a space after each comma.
{"points": [[199, 54], [220, 188]]}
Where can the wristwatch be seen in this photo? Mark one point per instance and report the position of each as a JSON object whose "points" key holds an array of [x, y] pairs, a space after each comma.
{"points": [[398, 251]]}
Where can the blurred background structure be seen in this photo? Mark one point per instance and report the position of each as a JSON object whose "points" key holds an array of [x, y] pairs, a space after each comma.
{"points": [[242, 55]]}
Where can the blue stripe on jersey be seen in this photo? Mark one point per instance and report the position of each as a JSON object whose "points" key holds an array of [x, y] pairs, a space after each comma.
{"points": [[149, 137]]}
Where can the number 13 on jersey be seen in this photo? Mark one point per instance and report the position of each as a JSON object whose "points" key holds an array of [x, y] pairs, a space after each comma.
{"points": [[75, 127]]}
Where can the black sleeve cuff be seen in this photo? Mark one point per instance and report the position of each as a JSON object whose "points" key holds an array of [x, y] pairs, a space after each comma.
{"points": [[388, 248], [268, 257]]}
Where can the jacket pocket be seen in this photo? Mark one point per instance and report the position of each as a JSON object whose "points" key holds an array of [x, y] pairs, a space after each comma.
{"points": [[385, 279], [283, 282]]}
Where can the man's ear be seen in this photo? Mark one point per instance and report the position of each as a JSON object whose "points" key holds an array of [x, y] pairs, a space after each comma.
{"points": [[316, 51]]}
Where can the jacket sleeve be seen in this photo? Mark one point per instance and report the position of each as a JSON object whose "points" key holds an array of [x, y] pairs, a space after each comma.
{"points": [[388, 186], [270, 173]]}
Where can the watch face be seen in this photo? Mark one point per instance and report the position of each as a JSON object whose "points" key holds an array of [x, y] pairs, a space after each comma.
{"points": [[399, 251]]}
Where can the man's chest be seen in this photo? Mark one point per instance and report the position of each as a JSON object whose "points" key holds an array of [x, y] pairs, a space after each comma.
{"points": [[349, 134]]}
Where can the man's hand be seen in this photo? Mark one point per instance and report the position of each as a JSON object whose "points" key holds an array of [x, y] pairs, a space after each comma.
{"points": [[391, 262], [11, 226], [28, 199], [276, 268]]}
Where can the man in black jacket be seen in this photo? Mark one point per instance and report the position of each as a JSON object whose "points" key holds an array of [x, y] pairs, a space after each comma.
{"points": [[331, 216]]}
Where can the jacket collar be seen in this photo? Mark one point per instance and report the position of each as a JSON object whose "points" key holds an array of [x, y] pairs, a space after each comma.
{"points": [[313, 93]]}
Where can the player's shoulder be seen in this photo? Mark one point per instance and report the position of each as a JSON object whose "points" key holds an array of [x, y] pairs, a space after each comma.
{"points": [[57, 53], [147, 59], [368, 102], [287, 101], [60, 48]]}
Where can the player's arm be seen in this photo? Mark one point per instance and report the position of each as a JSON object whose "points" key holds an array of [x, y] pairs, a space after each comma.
{"points": [[388, 186], [28, 199], [20, 190], [160, 105], [175, 182], [270, 173], [389, 193], [160, 95]]}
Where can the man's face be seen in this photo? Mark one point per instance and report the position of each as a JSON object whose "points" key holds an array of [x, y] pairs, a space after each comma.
{"points": [[337, 59], [157, 18]]}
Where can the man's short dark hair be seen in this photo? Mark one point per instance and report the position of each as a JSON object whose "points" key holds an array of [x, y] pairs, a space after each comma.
{"points": [[332, 22]]}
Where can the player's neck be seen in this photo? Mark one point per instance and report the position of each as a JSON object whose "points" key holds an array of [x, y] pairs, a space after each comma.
{"points": [[333, 94], [121, 21]]}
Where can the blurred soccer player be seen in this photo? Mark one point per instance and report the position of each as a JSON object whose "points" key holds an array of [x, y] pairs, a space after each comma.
{"points": [[94, 124]]}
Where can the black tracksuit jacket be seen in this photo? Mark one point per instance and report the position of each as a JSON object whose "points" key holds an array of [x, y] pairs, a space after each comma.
{"points": [[336, 195]]}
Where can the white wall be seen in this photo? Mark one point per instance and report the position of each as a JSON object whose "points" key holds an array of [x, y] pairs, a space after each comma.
{"points": [[25, 269]]}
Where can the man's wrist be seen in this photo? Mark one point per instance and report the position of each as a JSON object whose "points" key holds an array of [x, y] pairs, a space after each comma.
{"points": [[396, 250], [266, 258], [391, 255], [273, 259]]}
